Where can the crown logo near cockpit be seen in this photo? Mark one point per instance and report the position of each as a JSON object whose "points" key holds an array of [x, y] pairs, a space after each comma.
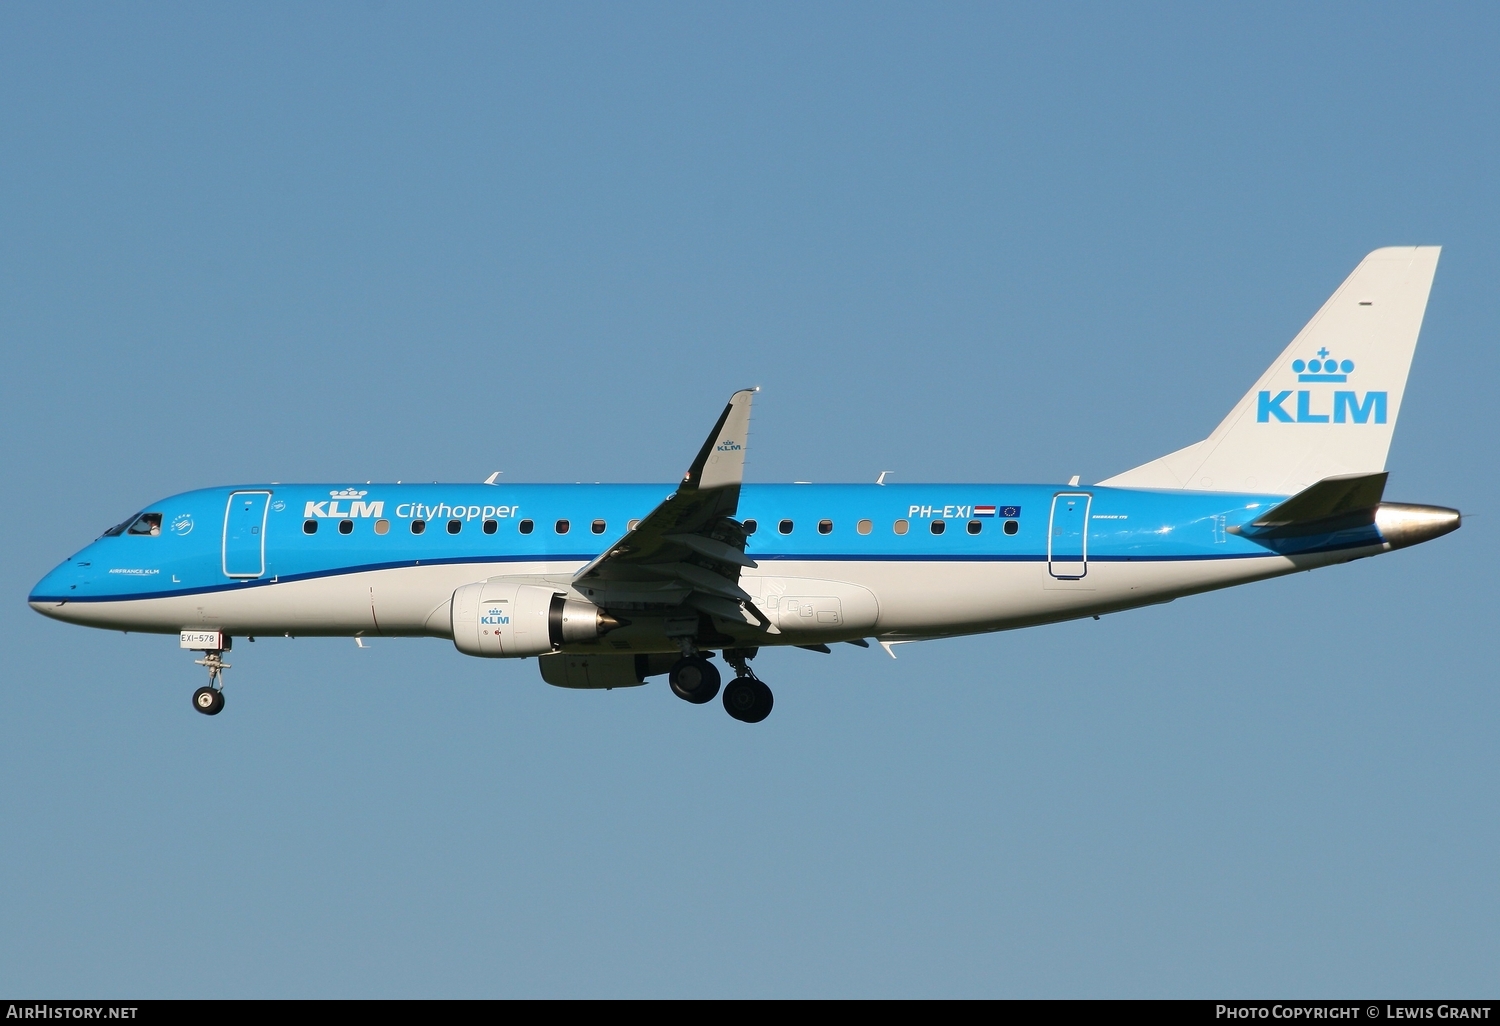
{"points": [[350, 493], [1324, 368]]}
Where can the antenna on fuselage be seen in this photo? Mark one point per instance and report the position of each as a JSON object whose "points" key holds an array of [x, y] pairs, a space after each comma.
{"points": [[881, 479], [491, 479]]}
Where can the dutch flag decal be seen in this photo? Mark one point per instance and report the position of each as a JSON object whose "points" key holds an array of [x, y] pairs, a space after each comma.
{"points": [[984, 511]]}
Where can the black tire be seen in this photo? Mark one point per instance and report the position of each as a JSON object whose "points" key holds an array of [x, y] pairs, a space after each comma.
{"points": [[748, 700], [694, 679], [208, 701], [767, 700]]}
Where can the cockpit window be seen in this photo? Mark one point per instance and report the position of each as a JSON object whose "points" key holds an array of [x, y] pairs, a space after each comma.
{"points": [[146, 524], [119, 529]]}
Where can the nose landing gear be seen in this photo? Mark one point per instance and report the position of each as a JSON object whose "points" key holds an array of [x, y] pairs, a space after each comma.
{"points": [[210, 700]]}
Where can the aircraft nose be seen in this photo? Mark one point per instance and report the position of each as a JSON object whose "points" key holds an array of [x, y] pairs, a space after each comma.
{"points": [[49, 609], [1401, 524], [54, 591]]}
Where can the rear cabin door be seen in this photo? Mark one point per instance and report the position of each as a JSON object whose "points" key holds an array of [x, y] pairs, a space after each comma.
{"points": [[1068, 535], [245, 534]]}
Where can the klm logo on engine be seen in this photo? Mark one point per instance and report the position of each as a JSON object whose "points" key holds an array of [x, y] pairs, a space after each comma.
{"points": [[1347, 405], [494, 618], [357, 506]]}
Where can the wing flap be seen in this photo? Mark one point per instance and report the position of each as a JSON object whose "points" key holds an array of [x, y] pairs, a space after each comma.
{"points": [[713, 549], [701, 579]]}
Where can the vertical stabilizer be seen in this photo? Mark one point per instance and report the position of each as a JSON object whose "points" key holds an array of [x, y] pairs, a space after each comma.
{"points": [[1329, 403]]}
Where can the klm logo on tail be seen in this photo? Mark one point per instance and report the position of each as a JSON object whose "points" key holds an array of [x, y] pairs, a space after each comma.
{"points": [[1347, 406]]}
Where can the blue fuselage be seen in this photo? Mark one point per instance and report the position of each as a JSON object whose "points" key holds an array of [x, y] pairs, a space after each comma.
{"points": [[258, 536]]}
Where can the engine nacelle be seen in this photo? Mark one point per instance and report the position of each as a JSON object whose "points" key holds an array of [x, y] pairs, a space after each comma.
{"points": [[509, 619]]}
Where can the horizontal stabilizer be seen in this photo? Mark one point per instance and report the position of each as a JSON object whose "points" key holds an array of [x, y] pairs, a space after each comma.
{"points": [[1333, 504]]}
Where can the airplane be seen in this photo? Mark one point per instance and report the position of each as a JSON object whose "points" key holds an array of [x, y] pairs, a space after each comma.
{"points": [[608, 585]]}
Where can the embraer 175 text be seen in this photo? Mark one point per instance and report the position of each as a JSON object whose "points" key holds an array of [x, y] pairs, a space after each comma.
{"points": [[611, 584]]}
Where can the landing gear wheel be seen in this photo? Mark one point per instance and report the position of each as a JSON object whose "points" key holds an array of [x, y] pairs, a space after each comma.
{"points": [[748, 699], [208, 701], [694, 679]]}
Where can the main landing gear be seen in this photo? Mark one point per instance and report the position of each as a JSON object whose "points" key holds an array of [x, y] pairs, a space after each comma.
{"points": [[694, 679], [746, 698], [210, 700]]}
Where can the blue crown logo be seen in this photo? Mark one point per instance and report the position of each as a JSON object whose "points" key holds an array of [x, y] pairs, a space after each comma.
{"points": [[353, 493], [1325, 368]]}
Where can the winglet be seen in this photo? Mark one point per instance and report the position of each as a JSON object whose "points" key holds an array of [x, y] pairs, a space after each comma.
{"points": [[709, 490], [721, 461]]}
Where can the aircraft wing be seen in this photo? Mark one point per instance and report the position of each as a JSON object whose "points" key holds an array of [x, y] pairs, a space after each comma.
{"points": [[690, 549]]}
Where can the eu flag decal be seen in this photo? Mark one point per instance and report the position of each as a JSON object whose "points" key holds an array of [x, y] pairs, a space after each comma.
{"points": [[1010, 511]]}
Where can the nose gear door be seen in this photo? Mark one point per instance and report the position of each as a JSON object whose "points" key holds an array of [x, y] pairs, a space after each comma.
{"points": [[1068, 535], [245, 534]]}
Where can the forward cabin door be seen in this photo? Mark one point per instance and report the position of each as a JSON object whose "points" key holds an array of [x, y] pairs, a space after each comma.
{"points": [[1068, 535], [245, 534]]}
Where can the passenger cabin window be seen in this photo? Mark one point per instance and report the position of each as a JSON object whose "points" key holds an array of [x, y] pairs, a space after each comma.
{"points": [[749, 526], [147, 525], [1012, 526], [454, 526], [562, 527], [598, 526], [864, 527], [491, 526], [632, 525], [900, 527], [418, 526], [346, 527], [382, 526], [825, 526], [975, 526], [309, 527], [785, 527], [526, 526], [939, 526]]}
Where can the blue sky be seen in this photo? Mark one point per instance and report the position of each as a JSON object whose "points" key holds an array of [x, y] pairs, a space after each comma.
{"points": [[960, 243]]}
